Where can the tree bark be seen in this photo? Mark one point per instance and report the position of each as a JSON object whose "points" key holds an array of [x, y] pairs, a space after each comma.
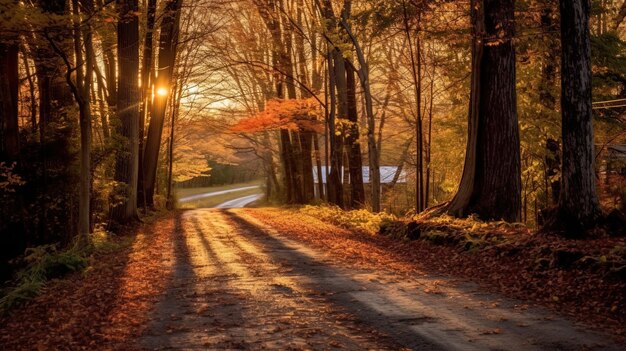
{"points": [[374, 162], [355, 163], [167, 57], [579, 207], [9, 85], [128, 97], [147, 82], [335, 185], [491, 186]]}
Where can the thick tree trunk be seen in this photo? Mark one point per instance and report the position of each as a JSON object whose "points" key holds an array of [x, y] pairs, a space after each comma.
{"points": [[167, 57], [491, 185], [578, 202], [128, 97]]}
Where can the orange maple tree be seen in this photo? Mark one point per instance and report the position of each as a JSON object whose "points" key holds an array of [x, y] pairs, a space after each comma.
{"points": [[292, 114]]}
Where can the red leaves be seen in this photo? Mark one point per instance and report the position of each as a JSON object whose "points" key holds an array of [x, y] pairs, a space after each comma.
{"points": [[104, 308], [587, 295], [291, 114]]}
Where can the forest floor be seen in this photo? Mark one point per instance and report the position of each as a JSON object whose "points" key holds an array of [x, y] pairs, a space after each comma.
{"points": [[275, 279]]}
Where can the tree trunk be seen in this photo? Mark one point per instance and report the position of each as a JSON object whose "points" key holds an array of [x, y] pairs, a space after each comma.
{"points": [[374, 162], [335, 185], [9, 84], [167, 57], [128, 97], [147, 81], [579, 208], [355, 163], [297, 159], [491, 186]]}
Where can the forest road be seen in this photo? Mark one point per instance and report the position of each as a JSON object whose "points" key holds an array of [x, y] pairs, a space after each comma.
{"points": [[239, 284], [240, 202]]}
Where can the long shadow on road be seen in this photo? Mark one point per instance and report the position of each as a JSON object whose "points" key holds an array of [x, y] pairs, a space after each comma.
{"points": [[411, 318], [192, 312], [322, 280]]}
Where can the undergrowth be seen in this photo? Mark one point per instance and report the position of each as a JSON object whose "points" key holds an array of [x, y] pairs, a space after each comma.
{"points": [[363, 220], [47, 262]]}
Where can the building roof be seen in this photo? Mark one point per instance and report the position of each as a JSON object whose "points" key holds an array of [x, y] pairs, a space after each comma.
{"points": [[387, 174], [617, 151]]}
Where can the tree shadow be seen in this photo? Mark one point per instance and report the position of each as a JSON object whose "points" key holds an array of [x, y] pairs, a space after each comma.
{"points": [[189, 310], [332, 284]]}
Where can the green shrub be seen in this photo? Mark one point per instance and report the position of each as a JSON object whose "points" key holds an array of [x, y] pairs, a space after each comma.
{"points": [[43, 263]]}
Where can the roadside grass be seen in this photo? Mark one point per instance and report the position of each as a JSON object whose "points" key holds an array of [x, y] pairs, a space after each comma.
{"points": [[45, 263], [184, 192], [215, 200]]}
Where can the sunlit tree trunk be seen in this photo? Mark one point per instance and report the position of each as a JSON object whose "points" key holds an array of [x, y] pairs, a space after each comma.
{"points": [[128, 97], [372, 146], [335, 185], [287, 67], [167, 56], [306, 136], [147, 81], [491, 186]]}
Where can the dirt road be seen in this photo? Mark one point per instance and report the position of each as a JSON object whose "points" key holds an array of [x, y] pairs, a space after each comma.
{"points": [[239, 284]]}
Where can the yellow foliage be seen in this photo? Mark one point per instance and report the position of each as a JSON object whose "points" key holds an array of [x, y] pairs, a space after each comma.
{"points": [[363, 220]]}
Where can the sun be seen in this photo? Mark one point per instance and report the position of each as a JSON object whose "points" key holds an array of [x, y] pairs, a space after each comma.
{"points": [[162, 91]]}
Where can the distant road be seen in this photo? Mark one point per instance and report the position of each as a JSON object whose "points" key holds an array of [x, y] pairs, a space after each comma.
{"points": [[240, 202], [215, 193]]}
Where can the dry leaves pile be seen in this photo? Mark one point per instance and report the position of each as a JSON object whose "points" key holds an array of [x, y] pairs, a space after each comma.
{"points": [[104, 307], [581, 279]]}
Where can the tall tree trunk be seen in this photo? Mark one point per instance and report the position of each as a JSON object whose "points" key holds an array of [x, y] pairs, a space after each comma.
{"points": [[9, 84], [374, 162], [578, 207], [31, 87], [416, 72], [128, 97], [430, 140], [548, 98], [147, 81], [170, 149], [491, 186], [335, 185], [306, 136], [167, 56], [296, 161], [355, 163]]}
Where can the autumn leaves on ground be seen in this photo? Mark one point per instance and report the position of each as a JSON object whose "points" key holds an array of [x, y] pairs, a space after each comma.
{"points": [[258, 278]]}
